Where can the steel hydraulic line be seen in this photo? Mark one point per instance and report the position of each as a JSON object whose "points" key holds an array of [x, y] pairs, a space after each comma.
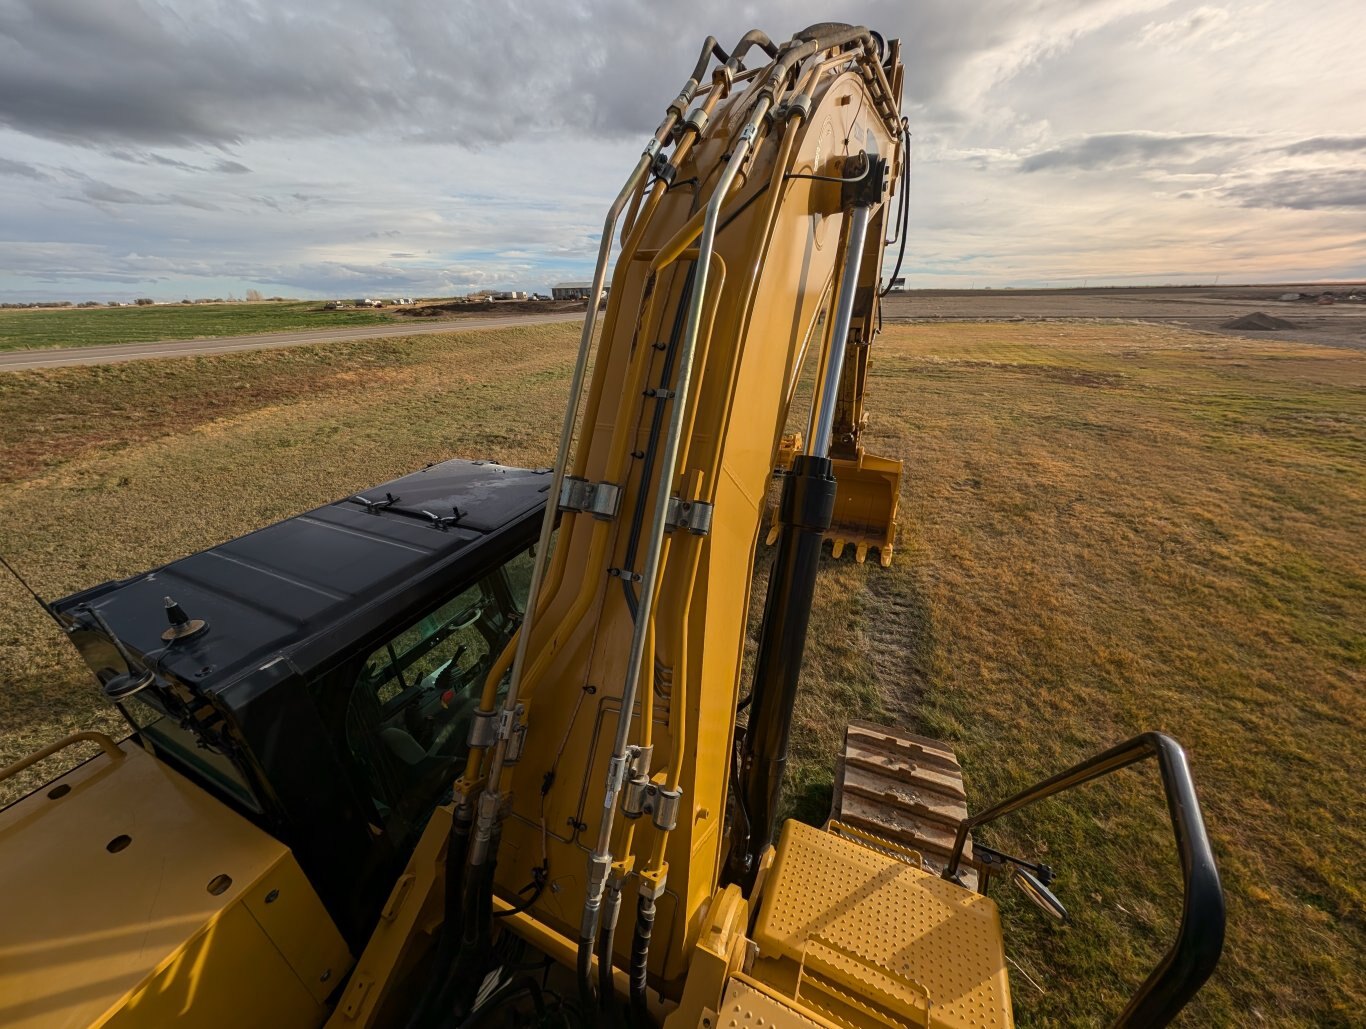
{"points": [[634, 183], [489, 802], [600, 862], [654, 875]]}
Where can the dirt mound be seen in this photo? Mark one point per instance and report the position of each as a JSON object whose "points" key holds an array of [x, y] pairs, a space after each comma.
{"points": [[1258, 322], [459, 307]]}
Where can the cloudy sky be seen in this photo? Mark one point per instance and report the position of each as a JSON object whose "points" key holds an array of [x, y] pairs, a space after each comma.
{"points": [[189, 148]]}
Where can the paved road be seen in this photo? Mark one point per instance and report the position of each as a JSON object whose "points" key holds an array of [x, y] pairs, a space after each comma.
{"points": [[18, 360]]}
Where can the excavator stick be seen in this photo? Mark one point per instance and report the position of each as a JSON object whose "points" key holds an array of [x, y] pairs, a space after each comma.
{"points": [[868, 489]]}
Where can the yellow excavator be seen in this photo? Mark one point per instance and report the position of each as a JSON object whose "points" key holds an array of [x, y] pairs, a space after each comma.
{"points": [[472, 747]]}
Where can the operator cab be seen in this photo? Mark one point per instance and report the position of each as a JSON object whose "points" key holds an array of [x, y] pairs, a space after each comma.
{"points": [[321, 674]]}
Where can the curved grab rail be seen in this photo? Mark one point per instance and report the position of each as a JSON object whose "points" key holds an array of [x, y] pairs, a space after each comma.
{"points": [[1200, 939], [89, 736]]}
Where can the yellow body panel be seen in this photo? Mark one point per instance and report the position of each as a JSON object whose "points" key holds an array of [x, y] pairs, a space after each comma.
{"points": [[154, 945]]}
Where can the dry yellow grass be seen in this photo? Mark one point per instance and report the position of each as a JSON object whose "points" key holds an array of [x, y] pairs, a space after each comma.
{"points": [[1103, 530]]}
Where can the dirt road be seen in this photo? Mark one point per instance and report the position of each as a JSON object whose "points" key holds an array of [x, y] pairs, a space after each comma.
{"points": [[17, 360]]}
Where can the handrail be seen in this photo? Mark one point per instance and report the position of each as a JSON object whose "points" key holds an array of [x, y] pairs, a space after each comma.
{"points": [[1191, 959], [88, 736]]}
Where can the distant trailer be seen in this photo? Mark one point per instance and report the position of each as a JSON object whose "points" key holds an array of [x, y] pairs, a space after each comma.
{"points": [[573, 290]]}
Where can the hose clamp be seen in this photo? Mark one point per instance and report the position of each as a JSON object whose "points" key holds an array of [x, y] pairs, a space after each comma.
{"points": [[483, 730], [512, 731], [599, 499], [663, 806], [693, 515], [633, 797]]}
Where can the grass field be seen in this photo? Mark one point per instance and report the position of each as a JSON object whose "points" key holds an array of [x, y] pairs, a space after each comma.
{"points": [[96, 326], [1104, 529]]}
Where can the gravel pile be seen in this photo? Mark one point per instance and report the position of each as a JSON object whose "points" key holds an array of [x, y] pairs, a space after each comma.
{"points": [[1258, 322]]}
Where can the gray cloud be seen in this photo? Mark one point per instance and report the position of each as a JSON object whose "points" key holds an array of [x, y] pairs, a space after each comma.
{"points": [[1326, 145], [152, 74], [103, 194], [488, 140], [23, 170], [1114, 149], [151, 158], [1340, 188]]}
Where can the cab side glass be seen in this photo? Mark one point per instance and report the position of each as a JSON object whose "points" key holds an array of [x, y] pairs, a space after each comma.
{"points": [[409, 714]]}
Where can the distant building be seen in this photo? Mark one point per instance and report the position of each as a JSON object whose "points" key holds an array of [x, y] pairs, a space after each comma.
{"points": [[898, 284], [573, 290]]}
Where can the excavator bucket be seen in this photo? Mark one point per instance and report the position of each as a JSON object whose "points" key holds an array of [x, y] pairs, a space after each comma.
{"points": [[865, 502], [865, 506]]}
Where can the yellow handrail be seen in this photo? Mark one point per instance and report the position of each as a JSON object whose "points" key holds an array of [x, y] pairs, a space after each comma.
{"points": [[88, 736]]}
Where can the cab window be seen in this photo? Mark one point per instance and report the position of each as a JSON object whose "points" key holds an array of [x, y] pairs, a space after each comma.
{"points": [[409, 714]]}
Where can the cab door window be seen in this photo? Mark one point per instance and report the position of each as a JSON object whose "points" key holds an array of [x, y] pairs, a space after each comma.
{"points": [[409, 715]]}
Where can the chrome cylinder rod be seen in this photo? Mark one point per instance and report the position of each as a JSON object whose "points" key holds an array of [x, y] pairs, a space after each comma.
{"points": [[839, 333]]}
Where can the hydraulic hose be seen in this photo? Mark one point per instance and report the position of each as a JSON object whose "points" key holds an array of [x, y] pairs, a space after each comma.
{"points": [[640, 957], [588, 994], [436, 993], [606, 944], [476, 929]]}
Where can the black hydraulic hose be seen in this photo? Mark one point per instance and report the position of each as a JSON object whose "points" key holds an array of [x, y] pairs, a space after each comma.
{"points": [[656, 426], [587, 994], [905, 212], [710, 47], [640, 960], [607, 941], [436, 995], [476, 930], [748, 41]]}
